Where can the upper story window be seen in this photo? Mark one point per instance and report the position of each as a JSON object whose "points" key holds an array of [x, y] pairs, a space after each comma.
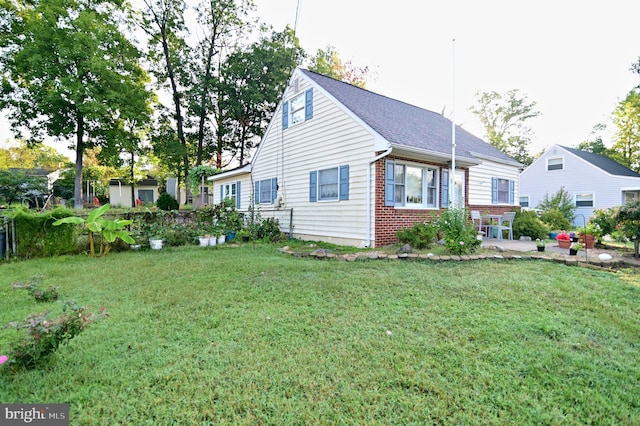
{"points": [[555, 163], [408, 185], [297, 109], [524, 201]]}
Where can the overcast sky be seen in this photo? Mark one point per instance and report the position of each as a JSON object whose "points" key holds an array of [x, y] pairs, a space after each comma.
{"points": [[571, 57]]}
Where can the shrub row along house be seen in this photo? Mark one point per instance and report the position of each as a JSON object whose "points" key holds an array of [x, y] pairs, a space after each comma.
{"points": [[342, 164]]}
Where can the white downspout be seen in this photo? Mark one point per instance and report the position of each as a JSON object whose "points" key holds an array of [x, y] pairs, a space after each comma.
{"points": [[369, 209]]}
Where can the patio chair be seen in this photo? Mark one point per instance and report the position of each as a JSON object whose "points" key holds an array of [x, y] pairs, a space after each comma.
{"points": [[507, 218], [475, 216]]}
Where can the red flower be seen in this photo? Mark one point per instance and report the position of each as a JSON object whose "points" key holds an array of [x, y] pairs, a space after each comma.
{"points": [[563, 236]]}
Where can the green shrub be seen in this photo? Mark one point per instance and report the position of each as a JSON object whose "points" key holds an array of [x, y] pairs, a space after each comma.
{"points": [[268, 229], [420, 236], [167, 202], [555, 220], [561, 201], [40, 295], [459, 232], [605, 219], [37, 237], [528, 224]]}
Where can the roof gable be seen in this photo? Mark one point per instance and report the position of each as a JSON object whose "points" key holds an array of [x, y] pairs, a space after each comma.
{"points": [[406, 125], [602, 162]]}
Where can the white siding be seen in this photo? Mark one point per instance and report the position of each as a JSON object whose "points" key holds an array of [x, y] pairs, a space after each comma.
{"points": [[246, 189], [120, 196], [577, 177], [331, 138], [480, 181]]}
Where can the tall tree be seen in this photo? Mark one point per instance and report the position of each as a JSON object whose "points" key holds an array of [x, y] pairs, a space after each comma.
{"points": [[67, 71], [253, 80], [504, 119], [626, 117], [222, 23], [163, 21], [327, 62]]}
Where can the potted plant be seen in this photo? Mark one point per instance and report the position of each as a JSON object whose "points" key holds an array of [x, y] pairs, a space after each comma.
{"points": [[244, 235], [574, 237], [203, 238], [564, 240], [540, 244], [589, 234], [575, 248]]}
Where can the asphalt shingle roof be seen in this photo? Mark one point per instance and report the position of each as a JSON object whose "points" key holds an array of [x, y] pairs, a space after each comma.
{"points": [[406, 125], [605, 163]]}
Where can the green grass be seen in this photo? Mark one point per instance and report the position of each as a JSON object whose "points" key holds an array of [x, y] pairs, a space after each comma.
{"points": [[247, 335]]}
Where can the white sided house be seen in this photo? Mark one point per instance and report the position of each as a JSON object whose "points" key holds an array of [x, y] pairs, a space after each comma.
{"points": [[120, 192], [342, 164], [592, 180]]}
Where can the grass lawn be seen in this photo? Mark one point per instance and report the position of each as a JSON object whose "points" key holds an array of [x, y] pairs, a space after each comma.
{"points": [[246, 335]]}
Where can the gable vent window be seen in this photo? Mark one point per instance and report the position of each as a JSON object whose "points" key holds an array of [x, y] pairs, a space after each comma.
{"points": [[298, 109], [555, 164]]}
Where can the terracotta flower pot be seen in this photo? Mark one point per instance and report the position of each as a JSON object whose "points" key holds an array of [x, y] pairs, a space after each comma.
{"points": [[564, 244], [587, 240]]}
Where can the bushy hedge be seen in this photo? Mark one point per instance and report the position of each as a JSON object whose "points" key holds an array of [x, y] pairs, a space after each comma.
{"points": [[556, 220], [528, 224], [167, 202], [420, 236], [37, 237]]}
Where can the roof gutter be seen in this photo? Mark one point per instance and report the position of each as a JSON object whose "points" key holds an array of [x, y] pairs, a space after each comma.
{"points": [[369, 208]]}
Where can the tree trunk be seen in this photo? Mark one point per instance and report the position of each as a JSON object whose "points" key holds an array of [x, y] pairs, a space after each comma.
{"points": [[176, 101], [131, 179], [77, 182], [203, 98]]}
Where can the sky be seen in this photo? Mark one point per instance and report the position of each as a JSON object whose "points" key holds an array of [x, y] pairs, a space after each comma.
{"points": [[571, 57]]}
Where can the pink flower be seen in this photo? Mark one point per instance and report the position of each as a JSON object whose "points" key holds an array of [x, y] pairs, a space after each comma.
{"points": [[3, 359]]}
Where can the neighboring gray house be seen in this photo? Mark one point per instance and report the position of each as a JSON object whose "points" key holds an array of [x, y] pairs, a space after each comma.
{"points": [[594, 181], [349, 166]]}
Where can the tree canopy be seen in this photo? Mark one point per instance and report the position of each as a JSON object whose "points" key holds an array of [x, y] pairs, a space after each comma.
{"points": [[626, 117], [68, 73], [327, 62], [505, 118]]}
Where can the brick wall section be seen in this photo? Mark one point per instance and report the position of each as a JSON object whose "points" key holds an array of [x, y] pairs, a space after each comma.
{"points": [[389, 220]]}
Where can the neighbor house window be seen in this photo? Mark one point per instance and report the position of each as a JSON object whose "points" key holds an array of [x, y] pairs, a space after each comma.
{"points": [[146, 195], [266, 190], [555, 163], [524, 201], [329, 184], [297, 109], [410, 185], [231, 190], [584, 200], [502, 191]]}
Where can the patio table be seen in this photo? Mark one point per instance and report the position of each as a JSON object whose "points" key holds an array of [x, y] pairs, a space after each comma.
{"points": [[490, 218]]}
